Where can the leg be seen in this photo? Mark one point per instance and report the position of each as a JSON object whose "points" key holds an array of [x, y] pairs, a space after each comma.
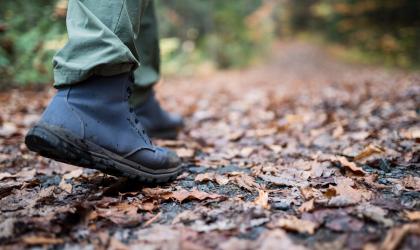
{"points": [[89, 122], [157, 122]]}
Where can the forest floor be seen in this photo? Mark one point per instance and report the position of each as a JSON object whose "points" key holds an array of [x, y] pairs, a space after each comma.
{"points": [[301, 152]]}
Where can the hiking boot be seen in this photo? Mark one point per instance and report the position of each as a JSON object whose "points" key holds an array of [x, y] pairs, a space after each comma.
{"points": [[157, 122], [91, 125]]}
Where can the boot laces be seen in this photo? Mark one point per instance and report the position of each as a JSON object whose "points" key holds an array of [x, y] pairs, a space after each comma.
{"points": [[139, 128]]}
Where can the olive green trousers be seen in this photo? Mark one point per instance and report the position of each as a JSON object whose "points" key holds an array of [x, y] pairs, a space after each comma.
{"points": [[108, 38]]}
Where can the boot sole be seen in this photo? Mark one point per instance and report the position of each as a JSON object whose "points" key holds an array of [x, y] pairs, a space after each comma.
{"points": [[60, 145], [164, 134]]}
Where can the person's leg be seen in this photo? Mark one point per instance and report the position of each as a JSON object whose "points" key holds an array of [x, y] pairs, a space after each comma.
{"points": [[101, 40], [157, 122], [89, 122], [147, 45]]}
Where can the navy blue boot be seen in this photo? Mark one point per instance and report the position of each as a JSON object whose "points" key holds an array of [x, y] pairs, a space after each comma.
{"points": [[91, 125], [157, 122]]}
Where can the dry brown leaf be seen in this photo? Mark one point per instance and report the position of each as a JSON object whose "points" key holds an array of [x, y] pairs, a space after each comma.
{"points": [[73, 174], [310, 192], [368, 151], [24, 175], [195, 194], [219, 179], [275, 239], [156, 191], [344, 195], [244, 181], [374, 213], [121, 214], [148, 205], [262, 199], [280, 181], [236, 244], [6, 175], [185, 152], [350, 165], [8, 129], [413, 215], [235, 136], [179, 195], [152, 220], [307, 206], [412, 133], [294, 224], [41, 240], [65, 186], [275, 148], [412, 182], [396, 235], [246, 152], [115, 244]]}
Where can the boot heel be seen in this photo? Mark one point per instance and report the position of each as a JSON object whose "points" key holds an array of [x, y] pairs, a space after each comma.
{"points": [[47, 144]]}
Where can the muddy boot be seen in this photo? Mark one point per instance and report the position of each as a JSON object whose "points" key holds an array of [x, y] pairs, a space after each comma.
{"points": [[157, 122], [91, 125]]}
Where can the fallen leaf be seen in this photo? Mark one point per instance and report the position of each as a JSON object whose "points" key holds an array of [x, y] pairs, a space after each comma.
{"points": [[182, 195], [275, 148], [152, 220], [244, 181], [115, 244], [412, 133], [123, 213], [7, 228], [179, 195], [8, 129], [209, 176], [292, 223], [412, 182], [73, 174], [185, 152], [279, 181], [41, 240], [148, 205], [275, 239], [344, 224], [413, 215], [25, 174], [6, 175], [235, 136], [396, 235], [246, 152], [262, 199], [368, 151], [344, 195], [350, 165], [64, 185], [307, 206], [374, 213], [236, 244]]}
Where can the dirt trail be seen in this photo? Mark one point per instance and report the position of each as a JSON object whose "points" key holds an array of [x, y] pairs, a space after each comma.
{"points": [[301, 152]]}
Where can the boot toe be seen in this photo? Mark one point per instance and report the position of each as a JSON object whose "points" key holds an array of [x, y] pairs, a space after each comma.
{"points": [[176, 120], [157, 159]]}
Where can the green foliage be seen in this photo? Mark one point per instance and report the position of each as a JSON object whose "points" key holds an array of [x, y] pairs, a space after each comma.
{"points": [[215, 31], [207, 32], [383, 30], [25, 43]]}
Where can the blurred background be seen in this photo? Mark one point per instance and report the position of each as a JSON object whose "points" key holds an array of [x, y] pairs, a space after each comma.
{"points": [[201, 36]]}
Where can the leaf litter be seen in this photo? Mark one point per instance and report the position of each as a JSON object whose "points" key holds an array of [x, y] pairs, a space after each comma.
{"points": [[304, 152]]}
